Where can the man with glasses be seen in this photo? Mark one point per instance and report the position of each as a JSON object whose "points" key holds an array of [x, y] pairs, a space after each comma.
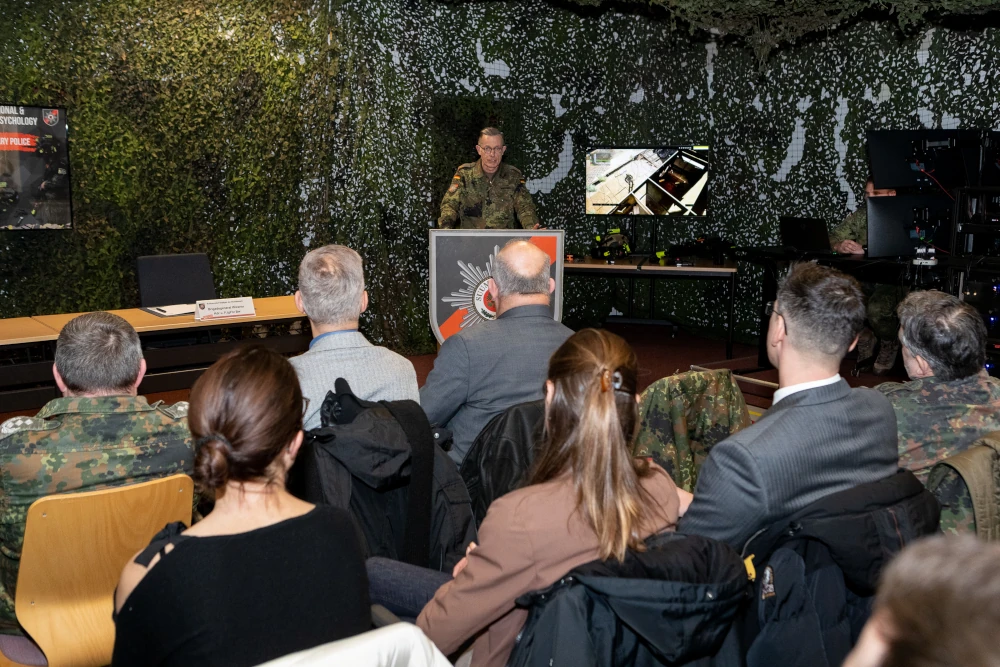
{"points": [[819, 437], [488, 194]]}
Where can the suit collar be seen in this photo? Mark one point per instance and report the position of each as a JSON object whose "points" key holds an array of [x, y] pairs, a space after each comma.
{"points": [[818, 395], [340, 341], [526, 311]]}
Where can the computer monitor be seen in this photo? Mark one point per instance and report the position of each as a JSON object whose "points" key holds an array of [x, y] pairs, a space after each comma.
{"points": [[663, 180], [898, 225], [927, 159]]}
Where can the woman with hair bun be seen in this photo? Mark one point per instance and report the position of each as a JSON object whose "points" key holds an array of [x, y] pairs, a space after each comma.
{"points": [[264, 574], [586, 498]]}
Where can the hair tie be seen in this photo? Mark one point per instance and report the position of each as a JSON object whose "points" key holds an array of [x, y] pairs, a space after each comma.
{"points": [[214, 437], [611, 380]]}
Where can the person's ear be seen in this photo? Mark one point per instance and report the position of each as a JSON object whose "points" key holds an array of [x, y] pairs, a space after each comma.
{"points": [[364, 301], [142, 374], [922, 366], [293, 450], [854, 343], [552, 285], [59, 380], [298, 302], [491, 285], [550, 391]]}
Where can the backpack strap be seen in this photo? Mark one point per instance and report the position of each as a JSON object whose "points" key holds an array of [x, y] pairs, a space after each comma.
{"points": [[975, 466], [417, 536]]}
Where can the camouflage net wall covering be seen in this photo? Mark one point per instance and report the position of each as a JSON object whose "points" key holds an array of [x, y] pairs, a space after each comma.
{"points": [[253, 131]]}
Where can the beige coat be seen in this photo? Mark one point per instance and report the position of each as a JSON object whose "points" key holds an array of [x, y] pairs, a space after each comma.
{"points": [[529, 539]]}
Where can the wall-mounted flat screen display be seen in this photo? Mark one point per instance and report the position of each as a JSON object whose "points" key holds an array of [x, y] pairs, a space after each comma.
{"points": [[670, 180], [34, 168]]}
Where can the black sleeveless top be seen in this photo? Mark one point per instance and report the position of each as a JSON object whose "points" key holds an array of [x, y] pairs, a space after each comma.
{"points": [[240, 600]]}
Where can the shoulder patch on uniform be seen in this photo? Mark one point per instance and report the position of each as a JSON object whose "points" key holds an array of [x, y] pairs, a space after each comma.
{"points": [[465, 167], [178, 410], [454, 186], [18, 424]]}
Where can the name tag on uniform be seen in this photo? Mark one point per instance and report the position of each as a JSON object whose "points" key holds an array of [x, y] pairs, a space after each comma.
{"points": [[220, 309]]}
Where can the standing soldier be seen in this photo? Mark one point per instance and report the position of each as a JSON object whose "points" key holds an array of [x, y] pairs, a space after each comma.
{"points": [[488, 194]]}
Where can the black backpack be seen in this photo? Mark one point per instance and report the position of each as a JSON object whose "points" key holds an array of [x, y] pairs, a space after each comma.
{"points": [[380, 462]]}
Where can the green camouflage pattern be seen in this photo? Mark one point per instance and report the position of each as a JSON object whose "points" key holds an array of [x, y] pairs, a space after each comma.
{"points": [[937, 419], [80, 444], [881, 309], [853, 227], [957, 514], [682, 416], [474, 201]]}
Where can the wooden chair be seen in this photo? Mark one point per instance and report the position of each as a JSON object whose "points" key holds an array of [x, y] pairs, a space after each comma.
{"points": [[75, 546]]}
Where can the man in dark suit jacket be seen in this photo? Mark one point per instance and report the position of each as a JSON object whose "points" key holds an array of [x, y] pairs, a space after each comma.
{"points": [[483, 370], [819, 437]]}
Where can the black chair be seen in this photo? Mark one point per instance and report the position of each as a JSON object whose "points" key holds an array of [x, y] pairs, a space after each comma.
{"points": [[167, 280]]}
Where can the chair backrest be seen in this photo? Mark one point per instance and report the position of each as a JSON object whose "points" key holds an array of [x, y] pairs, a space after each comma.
{"points": [[682, 416], [75, 546], [396, 645], [167, 280]]}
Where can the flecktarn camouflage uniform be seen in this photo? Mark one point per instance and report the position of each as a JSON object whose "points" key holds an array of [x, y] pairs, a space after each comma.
{"points": [[80, 444], [475, 201], [937, 420], [882, 299], [682, 416]]}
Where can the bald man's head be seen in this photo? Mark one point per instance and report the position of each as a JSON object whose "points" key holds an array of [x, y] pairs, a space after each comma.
{"points": [[521, 268]]}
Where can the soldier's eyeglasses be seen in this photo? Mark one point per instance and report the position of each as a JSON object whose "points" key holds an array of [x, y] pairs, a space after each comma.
{"points": [[489, 150], [769, 309]]}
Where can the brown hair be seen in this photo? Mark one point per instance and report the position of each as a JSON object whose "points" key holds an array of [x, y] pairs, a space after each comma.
{"points": [[824, 309], [244, 411], [590, 424], [939, 602]]}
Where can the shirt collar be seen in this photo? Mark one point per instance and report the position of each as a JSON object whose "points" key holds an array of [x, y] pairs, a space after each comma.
{"points": [[95, 405], [330, 334], [785, 392]]}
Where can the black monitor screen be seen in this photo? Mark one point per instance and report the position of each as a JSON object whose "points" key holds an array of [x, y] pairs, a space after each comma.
{"points": [[34, 168], [928, 159], [898, 225], [648, 181]]}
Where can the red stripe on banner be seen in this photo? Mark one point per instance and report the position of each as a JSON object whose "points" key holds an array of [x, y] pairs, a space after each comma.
{"points": [[546, 243], [453, 324], [16, 141]]}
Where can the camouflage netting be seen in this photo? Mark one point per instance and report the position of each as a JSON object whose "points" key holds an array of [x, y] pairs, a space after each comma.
{"points": [[253, 131]]}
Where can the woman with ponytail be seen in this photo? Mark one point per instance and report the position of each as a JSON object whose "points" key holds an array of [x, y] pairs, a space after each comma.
{"points": [[264, 574], [586, 498]]}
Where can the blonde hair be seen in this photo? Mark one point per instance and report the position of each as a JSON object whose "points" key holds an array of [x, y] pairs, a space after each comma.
{"points": [[590, 424]]}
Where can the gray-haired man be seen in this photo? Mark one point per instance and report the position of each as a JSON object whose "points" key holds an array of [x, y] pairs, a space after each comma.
{"points": [[481, 371], [99, 434], [332, 293]]}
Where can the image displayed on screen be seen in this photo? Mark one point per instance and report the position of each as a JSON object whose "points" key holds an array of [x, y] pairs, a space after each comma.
{"points": [[648, 181], [34, 168]]}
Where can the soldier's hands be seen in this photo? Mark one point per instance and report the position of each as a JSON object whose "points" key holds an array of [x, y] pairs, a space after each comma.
{"points": [[849, 247]]}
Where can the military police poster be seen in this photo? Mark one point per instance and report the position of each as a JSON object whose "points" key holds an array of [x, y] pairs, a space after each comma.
{"points": [[461, 262], [34, 168]]}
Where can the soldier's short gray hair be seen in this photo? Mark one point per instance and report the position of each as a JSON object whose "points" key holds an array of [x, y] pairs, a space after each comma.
{"points": [[98, 353], [332, 281], [490, 132], [948, 333], [510, 281]]}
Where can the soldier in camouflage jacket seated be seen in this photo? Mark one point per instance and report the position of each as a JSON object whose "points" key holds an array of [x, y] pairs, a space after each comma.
{"points": [[683, 415], [99, 434], [950, 401]]}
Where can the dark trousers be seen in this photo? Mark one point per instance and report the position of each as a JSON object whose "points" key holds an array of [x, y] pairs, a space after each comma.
{"points": [[402, 588]]}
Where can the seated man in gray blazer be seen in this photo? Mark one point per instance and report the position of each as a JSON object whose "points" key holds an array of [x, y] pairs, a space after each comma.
{"points": [[332, 293], [819, 437], [483, 370]]}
